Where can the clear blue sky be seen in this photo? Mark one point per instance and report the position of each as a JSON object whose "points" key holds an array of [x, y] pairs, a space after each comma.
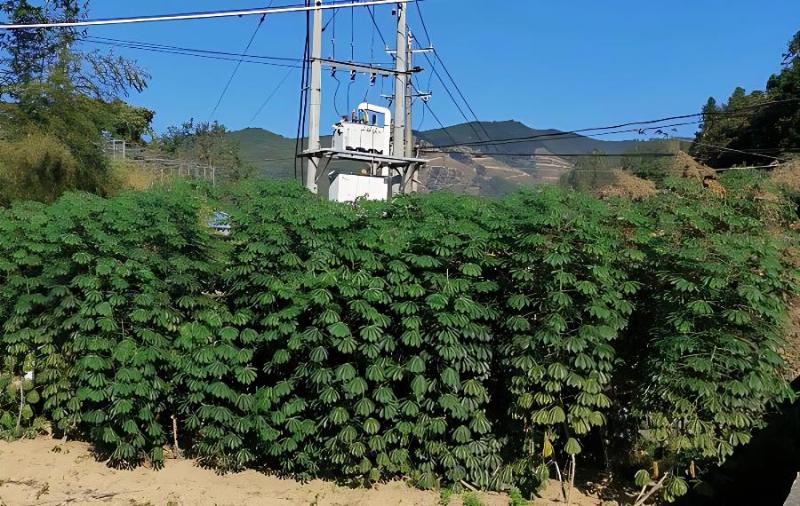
{"points": [[549, 64]]}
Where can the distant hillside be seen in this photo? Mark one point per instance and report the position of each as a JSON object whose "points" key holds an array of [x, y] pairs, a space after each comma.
{"points": [[271, 154], [481, 169], [499, 130]]}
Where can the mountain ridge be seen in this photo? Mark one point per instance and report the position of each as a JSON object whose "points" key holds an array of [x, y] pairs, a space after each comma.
{"points": [[537, 156]]}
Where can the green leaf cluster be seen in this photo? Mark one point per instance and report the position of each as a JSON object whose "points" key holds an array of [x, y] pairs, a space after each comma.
{"points": [[437, 337]]}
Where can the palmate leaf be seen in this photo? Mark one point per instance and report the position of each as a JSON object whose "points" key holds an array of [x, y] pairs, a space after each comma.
{"points": [[364, 407], [415, 365], [416, 315], [245, 375], [371, 426]]}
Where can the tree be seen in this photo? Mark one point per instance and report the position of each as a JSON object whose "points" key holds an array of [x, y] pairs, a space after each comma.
{"points": [[208, 145], [751, 128], [27, 54], [30, 55], [57, 104]]}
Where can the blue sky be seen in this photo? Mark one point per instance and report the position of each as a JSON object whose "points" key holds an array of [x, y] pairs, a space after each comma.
{"points": [[549, 64]]}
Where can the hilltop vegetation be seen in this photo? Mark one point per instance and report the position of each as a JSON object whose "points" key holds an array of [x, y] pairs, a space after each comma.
{"points": [[767, 123]]}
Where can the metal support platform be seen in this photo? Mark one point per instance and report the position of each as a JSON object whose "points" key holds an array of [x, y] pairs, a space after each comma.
{"points": [[405, 168], [391, 161]]}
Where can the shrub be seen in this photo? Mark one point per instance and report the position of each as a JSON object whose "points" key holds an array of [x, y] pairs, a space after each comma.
{"points": [[37, 167], [442, 338]]}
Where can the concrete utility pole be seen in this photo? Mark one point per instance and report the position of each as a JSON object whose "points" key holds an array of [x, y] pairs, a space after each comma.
{"points": [[315, 101], [409, 139], [400, 82]]}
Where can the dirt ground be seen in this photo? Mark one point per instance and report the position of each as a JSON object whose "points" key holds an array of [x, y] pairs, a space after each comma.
{"points": [[47, 472]]}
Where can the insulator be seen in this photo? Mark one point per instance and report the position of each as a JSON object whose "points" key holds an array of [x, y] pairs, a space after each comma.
{"points": [[352, 75], [372, 79]]}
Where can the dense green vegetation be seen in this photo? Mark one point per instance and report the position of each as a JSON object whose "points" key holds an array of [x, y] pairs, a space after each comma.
{"points": [[442, 338], [208, 145], [57, 102], [750, 125]]}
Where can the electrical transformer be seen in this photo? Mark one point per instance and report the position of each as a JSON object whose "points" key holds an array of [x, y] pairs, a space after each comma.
{"points": [[363, 133]]}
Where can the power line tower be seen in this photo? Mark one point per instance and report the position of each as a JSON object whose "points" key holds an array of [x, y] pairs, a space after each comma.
{"points": [[388, 149]]}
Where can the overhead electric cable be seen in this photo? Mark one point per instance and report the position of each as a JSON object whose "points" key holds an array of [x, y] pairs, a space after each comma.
{"points": [[187, 49], [424, 25], [578, 155], [572, 135], [272, 94], [193, 53], [723, 148], [239, 63], [427, 106], [449, 75], [199, 15], [301, 117], [736, 112]]}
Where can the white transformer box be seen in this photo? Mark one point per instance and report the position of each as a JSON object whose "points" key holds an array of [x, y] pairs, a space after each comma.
{"points": [[349, 187], [363, 133]]}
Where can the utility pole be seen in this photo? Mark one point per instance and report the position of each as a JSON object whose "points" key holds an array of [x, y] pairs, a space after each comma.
{"points": [[400, 83], [315, 101], [409, 139]]}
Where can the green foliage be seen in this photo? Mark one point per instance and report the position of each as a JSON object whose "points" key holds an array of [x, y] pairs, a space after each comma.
{"points": [[19, 399], [58, 104], [470, 499], [96, 315], [207, 144], [31, 56], [717, 287], [590, 173], [749, 125], [446, 339], [515, 498], [444, 496], [53, 138], [569, 298], [37, 167]]}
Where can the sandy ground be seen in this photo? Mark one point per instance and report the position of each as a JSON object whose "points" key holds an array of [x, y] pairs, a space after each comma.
{"points": [[46, 472]]}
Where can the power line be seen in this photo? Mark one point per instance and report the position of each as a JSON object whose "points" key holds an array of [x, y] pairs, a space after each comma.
{"points": [[460, 93], [190, 53], [272, 94], [732, 150], [449, 75], [469, 123], [424, 25], [572, 135], [378, 28], [200, 15], [223, 55], [577, 155], [702, 115], [124, 42], [425, 104], [239, 64], [301, 117]]}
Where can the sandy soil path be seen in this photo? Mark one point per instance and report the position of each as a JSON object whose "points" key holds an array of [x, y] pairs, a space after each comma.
{"points": [[46, 472]]}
